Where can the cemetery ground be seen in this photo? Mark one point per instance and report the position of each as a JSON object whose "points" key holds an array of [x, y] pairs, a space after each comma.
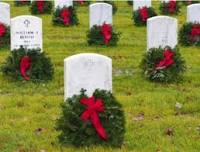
{"points": [[159, 117]]}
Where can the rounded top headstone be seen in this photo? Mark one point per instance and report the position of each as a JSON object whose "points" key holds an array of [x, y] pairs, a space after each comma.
{"points": [[193, 13], [5, 13]]}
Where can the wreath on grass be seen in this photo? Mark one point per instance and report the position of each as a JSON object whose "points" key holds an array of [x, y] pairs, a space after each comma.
{"points": [[141, 15], [41, 7], [171, 7], [98, 120], [163, 65], [81, 3], [189, 34], [65, 16], [4, 35], [27, 65], [103, 35], [22, 2]]}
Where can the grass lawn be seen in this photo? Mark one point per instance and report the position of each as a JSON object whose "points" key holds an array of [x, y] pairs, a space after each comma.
{"points": [[28, 111]]}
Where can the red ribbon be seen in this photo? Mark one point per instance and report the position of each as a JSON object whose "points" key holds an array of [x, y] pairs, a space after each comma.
{"points": [[65, 15], [167, 61], [94, 107], [195, 31], [144, 13], [172, 6], [106, 30], [40, 5], [81, 2], [2, 30], [25, 65]]}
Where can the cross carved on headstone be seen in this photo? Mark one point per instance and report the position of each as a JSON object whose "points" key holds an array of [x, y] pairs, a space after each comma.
{"points": [[26, 22]]}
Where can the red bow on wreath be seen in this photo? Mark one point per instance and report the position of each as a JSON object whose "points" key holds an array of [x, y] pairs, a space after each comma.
{"points": [[144, 13], [25, 65], [167, 61], [2, 30], [172, 6], [65, 15], [94, 107], [81, 2], [106, 30], [40, 5], [195, 31]]}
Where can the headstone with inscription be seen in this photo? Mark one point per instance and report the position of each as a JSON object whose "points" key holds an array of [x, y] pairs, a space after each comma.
{"points": [[161, 32], [26, 31], [193, 13], [62, 3], [87, 71], [100, 13], [137, 4], [5, 13]]}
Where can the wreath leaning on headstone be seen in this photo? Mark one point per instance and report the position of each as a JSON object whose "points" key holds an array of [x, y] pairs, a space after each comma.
{"points": [[65, 16], [141, 15], [4, 35], [163, 65], [28, 64], [103, 35], [189, 34], [22, 2], [171, 7], [41, 7], [98, 120]]}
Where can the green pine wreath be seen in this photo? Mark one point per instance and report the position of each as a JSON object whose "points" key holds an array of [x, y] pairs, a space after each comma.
{"points": [[164, 8], [22, 2], [185, 35], [57, 19], [46, 10], [94, 36], [4, 37], [137, 18], [41, 67], [74, 131], [170, 74]]}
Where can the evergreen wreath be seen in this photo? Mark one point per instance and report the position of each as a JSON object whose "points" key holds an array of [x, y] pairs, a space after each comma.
{"points": [[41, 7], [22, 2], [4, 35], [98, 35], [77, 131], [141, 15], [81, 3], [189, 34], [163, 65], [29, 64], [171, 7], [65, 16]]}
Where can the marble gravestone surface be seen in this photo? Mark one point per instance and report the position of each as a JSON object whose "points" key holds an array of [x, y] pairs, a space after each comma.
{"points": [[193, 13], [88, 71], [62, 3], [5, 13], [141, 3], [100, 13], [26, 31], [161, 31]]}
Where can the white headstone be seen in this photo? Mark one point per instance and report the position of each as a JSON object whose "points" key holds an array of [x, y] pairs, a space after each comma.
{"points": [[193, 13], [100, 13], [26, 31], [5, 13], [161, 31], [141, 3], [88, 71], [62, 3]]}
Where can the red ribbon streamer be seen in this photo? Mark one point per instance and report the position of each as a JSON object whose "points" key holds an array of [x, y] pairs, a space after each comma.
{"points": [[2, 30], [106, 30], [167, 61], [172, 6], [144, 13], [65, 15], [25, 65], [40, 5], [195, 31], [94, 107]]}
